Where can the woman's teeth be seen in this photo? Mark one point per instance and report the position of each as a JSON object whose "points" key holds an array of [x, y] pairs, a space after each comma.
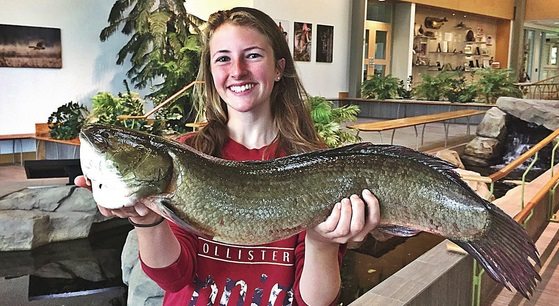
{"points": [[241, 88]]}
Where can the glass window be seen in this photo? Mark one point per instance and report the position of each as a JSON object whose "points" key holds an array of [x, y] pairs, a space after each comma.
{"points": [[379, 70], [380, 45], [553, 56], [379, 11]]}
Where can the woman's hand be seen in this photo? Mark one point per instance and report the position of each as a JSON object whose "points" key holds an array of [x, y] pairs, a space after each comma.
{"points": [[138, 213], [350, 221]]}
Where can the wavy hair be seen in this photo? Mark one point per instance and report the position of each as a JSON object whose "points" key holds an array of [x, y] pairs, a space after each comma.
{"points": [[290, 112]]}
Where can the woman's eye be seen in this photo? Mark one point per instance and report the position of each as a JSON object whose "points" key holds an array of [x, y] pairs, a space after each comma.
{"points": [[254, 55], [222, 59]]}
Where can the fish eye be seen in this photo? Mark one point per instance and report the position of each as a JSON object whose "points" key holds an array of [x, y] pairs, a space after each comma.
{"points": [[100, 185]]}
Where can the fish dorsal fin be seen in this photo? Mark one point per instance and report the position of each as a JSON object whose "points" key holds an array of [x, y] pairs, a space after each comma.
{"points": [[367, 148]]}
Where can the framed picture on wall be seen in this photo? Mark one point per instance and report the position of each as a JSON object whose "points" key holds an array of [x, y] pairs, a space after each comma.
{"points": [[302, 41], [324, 43], [30, 47]]}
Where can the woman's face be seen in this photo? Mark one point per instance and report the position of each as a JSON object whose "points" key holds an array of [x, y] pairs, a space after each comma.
{"points": [[243, 68]]}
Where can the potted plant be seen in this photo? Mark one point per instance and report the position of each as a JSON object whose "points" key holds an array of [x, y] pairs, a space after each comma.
{"points": [[67, 121], [433, 87], [380, 87], [457, 89], [494, 83], [328, 121], [106, 108]]}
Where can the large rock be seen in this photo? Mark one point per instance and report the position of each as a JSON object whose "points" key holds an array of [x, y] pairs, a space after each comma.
{"points": [[493, 124], [36, 216], [539, 112], [484, 148], [141, 289]]}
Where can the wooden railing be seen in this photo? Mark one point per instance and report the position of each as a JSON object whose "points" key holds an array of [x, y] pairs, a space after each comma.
{"points": [[547, 89]]}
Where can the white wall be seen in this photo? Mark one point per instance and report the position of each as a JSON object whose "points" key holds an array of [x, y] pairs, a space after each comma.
{"points": [[323, 79], [30, 95]]}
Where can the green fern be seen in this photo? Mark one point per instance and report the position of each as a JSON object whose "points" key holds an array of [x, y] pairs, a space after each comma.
{"points": [[328, 121]]}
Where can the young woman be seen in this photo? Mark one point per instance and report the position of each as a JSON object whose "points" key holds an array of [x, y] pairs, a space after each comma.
{"points": [[255, 109]]}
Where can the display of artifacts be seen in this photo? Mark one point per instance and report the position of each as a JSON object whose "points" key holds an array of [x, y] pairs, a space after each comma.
{"points": [[284, 27], [30, 47], [324, 43], [470, 36], [302, 41], [434, 22]]}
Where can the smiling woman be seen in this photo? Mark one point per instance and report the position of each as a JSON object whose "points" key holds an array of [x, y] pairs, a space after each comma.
{"points": [[256, 109]]}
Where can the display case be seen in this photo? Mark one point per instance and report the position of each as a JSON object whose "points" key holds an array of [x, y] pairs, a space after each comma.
{"points": [[451, 41]]}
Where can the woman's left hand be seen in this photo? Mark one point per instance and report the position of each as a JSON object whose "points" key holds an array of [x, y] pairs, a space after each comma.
{"points": [[350, 221]]}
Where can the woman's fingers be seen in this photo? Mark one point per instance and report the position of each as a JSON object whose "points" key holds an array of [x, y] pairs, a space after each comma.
{"points": [[82, 181], [352, 219]]}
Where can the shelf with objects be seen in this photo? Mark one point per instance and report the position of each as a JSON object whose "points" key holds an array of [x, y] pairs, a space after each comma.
{"points": [[448, 41]]}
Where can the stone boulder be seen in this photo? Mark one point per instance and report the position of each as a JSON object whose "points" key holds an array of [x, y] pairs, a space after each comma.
{"points": [[539, 112], [450, 156], [483, 147], [493, 124], [141, 289], [36, 216]]}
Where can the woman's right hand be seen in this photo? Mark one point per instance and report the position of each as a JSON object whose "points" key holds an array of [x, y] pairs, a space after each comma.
{"points": [[138, 213]]}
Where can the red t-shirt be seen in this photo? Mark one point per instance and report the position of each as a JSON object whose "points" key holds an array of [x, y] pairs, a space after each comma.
{"points": [[208, 272]]}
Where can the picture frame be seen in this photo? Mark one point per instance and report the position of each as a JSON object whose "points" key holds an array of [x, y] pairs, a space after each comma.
{"points": [[302, 41], [30, 47], [324, 43]]}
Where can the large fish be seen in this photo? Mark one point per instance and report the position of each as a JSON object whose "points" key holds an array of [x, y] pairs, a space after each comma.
{"points": [[263, 201]]}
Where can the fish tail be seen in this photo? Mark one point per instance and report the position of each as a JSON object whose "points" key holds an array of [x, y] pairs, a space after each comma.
{"points": [[504, 251]]}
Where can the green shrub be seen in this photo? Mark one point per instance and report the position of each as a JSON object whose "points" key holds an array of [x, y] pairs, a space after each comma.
{"points": [[328, 121], [380, 87], [67, 121], [494, 83], [433, 87], [456, 88]]}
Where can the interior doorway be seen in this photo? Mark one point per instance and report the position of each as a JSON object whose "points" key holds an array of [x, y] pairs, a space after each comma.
{"points": [[377, 49]]}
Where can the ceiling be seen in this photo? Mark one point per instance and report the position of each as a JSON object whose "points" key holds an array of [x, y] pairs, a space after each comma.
{"points": [[549, 25]]}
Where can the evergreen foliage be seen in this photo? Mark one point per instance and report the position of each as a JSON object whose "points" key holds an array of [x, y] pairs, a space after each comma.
{"points": [[328, 121]]}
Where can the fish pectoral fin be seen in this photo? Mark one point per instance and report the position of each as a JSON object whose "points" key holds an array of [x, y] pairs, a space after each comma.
{"points": [[163, 205], [398, 230]]}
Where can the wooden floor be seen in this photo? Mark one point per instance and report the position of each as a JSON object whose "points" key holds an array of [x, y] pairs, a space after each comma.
{"points": [[547, 291]]}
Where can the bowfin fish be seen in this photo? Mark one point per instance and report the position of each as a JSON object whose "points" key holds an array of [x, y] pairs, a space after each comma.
{"points": [[258, 202]]}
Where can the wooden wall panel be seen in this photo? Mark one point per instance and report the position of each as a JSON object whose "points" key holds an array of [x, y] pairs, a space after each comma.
{"points": [[502, 42], [494, 8], [542, 9]]}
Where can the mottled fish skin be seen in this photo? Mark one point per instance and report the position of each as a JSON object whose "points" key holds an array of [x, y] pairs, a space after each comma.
{"points": [[263, 201]]}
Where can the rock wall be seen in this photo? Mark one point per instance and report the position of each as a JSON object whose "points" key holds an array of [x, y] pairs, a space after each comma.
{"points": [[36, 216]]}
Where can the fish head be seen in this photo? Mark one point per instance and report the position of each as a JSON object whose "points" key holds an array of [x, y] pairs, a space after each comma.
{"points": [[123, 165]]}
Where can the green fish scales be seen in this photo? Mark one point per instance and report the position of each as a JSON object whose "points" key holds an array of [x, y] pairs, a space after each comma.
{"points": [[258, 202]]}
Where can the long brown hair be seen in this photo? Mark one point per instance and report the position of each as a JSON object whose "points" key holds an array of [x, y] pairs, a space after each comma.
{"points": [[290, 111]]}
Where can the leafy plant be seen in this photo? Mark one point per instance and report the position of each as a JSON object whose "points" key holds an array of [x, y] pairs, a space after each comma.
{"points": [[494, 83], [328, 119], [456, 89], [106, 109], [433, 87], [67, 121], [380, 87], [405, 91]]}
